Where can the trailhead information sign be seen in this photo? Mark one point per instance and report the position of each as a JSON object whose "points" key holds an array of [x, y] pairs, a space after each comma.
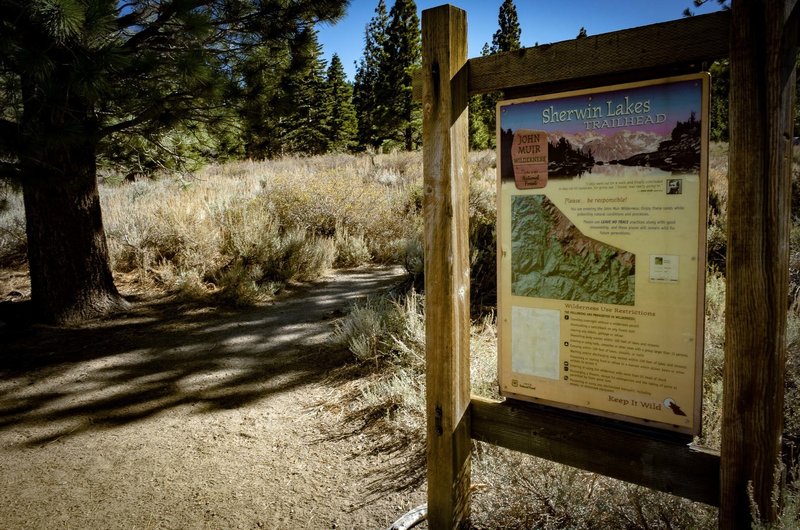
{"points": [[601, 250]]}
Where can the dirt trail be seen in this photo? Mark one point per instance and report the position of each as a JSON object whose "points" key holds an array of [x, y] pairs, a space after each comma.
{"points": [[188, 417]]}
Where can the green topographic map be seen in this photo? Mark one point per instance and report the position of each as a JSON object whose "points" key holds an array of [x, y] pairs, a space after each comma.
{"points": [[551, 258]]}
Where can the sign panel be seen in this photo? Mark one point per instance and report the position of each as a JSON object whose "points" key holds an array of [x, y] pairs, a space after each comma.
{"points": [[601, 249]]}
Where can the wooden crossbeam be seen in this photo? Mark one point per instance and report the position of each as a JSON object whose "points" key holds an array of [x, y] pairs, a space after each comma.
{"points": [[648, 457], [669, 46]]}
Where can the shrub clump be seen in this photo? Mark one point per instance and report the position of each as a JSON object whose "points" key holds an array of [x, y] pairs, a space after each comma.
{"points": [[242, 231], [13, 238], [386, 336]]}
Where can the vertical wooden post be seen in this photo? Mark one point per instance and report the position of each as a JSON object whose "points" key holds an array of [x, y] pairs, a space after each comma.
{"points": [[762, 55], [446, 180]]}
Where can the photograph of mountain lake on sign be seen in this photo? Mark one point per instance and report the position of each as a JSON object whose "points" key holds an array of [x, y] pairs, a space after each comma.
{"points": [[642, 131]]}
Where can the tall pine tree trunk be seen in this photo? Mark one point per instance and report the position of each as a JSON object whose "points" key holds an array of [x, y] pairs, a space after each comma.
{"points": [[67, 252]]}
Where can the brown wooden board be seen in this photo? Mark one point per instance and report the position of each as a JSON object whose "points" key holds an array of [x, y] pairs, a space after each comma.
{"points": [[763, 45], [692, 40], [655, 459], [630, 54], [445, 205], [762, 62]]}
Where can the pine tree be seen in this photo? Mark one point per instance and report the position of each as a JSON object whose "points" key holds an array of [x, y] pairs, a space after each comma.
{"points": [[483, 108], [283, 98], [507, 37], [263, 73], [365, 89], [340, 121], [303, 129], [481, 136], [78, 73], [400, 117]]}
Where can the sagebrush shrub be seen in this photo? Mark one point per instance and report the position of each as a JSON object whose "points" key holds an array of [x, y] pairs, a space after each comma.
{"points": [[301, 256], [248, 227], [13, 238], [351, 249], [242, 285], [329, 199]]}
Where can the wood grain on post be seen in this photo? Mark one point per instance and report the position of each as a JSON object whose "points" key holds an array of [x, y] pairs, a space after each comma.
{"points": [[762, 55], [447, 323], [657, 50]]}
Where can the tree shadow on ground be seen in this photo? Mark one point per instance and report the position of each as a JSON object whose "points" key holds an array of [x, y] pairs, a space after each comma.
{"points": [[57, 382], [400, 446]]}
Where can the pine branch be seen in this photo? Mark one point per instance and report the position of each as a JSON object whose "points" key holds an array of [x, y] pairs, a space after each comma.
{"points": [[133, 18], [154, 28], [12, 10], [154, 113]]}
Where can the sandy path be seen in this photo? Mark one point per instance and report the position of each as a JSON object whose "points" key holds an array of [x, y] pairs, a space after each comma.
{"points": [[180, 417]]}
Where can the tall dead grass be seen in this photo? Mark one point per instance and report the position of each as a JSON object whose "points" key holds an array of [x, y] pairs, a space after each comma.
{"points": [[240, 231]]}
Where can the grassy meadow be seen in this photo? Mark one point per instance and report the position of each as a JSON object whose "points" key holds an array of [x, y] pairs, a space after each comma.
{"points": [[238, 233]]}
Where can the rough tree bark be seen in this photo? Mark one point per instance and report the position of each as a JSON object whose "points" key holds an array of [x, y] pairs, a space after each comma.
{"points": [[67, 252], [68, 256]]}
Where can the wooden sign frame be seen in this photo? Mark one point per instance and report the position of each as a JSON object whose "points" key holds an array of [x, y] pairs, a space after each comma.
{"points": [[761, 40]]}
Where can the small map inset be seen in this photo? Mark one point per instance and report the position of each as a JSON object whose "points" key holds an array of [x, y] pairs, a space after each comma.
{"points": [[535, 341]]}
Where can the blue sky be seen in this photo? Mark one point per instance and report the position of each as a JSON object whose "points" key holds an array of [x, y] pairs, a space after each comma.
{"points": [[542, 21]]}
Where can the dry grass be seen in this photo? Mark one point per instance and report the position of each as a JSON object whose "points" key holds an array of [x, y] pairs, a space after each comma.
{"points": [[13, 241], [713, 360], [522, 492], [518, 491], [240, 231], [718, 206]]}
